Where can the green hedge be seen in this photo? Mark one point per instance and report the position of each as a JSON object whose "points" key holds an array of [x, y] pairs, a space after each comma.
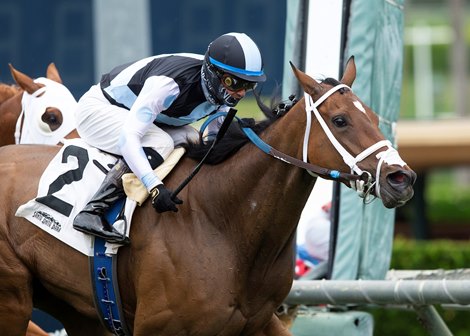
{"points": [[430, 254]]}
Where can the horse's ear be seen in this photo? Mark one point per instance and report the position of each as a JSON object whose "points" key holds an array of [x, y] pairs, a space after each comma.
{"points": [[309, 84], [24, 81], [53, 74], [350, 72]]}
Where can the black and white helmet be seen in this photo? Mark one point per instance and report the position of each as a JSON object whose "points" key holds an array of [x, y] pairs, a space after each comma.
{"points": [[235, 55]]}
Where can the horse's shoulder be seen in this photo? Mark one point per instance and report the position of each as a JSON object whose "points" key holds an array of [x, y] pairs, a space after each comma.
{"points": [[28, 154]]}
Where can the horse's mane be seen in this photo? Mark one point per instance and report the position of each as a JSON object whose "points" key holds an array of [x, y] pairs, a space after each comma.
{"points": [[235, 138], [7, 91]]}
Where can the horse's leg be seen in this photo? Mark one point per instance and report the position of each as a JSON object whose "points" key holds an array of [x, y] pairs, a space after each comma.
{"points": [[275, 328], [16, 303]]}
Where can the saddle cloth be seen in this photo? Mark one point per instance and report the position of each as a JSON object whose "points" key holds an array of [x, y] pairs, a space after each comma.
{"points": [[68, 183]]}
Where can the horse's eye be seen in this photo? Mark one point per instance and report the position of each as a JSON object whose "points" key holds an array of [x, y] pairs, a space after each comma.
{"points": [[340, 121], [53, 119]]}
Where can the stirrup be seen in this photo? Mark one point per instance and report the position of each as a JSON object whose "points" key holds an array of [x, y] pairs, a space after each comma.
{"points": [[98, 228], [122, 239]]}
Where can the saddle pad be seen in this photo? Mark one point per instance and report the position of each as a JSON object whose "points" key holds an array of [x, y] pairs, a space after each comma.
{"points": [[70, 180], [68, 183]]}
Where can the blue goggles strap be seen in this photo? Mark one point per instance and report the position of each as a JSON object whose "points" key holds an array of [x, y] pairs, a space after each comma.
{"points": [[235, 69]]}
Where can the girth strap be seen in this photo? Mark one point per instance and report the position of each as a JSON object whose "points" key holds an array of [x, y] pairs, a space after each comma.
{"points": [[103, 269]]}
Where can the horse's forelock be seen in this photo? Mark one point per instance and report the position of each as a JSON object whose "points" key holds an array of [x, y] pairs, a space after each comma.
{"points": [[334, 82], [330, 81]]}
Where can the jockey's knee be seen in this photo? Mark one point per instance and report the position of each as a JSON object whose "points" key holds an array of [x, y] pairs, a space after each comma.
{"points": [[183, 134], [162, 143], [192, 135], [165, 146]]}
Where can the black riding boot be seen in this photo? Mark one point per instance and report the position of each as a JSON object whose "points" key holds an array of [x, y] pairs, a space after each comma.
{"points": [[91, 219]]}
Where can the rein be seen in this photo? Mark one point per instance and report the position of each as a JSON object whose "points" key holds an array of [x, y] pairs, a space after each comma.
{"points": [[263, 146], [316, 170], [223, 128]]}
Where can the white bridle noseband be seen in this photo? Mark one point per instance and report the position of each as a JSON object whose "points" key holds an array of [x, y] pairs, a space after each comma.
{"points": [[389, 155]]}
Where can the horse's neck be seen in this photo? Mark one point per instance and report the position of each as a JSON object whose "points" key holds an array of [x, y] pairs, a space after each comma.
{"points": [[10, 110], [262, 197]]}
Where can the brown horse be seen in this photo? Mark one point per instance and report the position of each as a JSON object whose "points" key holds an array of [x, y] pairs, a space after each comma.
{"points": [[10, 111], [224, 262], [43, 107]]}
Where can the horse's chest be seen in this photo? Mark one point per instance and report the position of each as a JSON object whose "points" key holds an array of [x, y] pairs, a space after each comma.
{"points": [[210, 290]]}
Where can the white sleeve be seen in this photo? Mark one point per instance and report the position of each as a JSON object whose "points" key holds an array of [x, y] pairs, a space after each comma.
{"points": [[157, 94]]}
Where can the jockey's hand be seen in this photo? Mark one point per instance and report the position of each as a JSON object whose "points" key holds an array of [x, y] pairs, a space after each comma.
{"points": [[162, 201]]}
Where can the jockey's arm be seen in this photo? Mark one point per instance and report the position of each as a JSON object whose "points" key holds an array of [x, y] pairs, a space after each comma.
{"points": [[157, 94]]}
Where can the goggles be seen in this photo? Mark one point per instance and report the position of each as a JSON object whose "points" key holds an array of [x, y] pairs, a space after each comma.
{"points": [[233, 83]]}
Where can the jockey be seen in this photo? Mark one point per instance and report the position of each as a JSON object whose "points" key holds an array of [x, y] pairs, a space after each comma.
{"points": [[142, 111]]}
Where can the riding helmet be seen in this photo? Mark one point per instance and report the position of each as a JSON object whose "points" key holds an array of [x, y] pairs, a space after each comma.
{"points": [[235, 54]]}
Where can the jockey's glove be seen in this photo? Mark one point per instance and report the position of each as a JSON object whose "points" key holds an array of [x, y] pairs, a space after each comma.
{"points": [[162, 201]]}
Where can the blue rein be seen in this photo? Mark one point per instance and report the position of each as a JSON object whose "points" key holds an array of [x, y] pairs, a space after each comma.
{"points": [[248, 132], [258, 142]]}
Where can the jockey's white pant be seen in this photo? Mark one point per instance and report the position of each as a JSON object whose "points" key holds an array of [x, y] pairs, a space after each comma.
{"points": [[100, 124]]}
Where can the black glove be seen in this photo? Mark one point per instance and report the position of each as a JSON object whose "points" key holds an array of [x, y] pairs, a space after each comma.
{"points": [[162, 201]]}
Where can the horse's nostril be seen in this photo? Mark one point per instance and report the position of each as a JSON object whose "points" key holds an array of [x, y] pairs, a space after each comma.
{"points": [[402, 178]]}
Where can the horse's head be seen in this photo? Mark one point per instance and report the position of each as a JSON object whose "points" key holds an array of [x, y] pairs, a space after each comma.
{"points": [[48, 107], [351, 139]]}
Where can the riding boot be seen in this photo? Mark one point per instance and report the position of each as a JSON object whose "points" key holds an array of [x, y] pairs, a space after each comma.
{"points": [[92, 219]]}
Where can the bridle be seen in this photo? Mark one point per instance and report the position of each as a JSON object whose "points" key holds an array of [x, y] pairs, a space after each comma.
{"points": [[389, 155], [24, 102]]}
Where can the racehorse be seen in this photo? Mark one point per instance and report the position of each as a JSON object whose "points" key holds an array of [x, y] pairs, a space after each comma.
{"points": [[224, 262], [40, 112], [45, 112]]}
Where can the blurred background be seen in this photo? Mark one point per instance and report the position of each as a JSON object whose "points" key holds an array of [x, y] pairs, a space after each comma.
{"points": [[436, 88], [86, 38]]}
